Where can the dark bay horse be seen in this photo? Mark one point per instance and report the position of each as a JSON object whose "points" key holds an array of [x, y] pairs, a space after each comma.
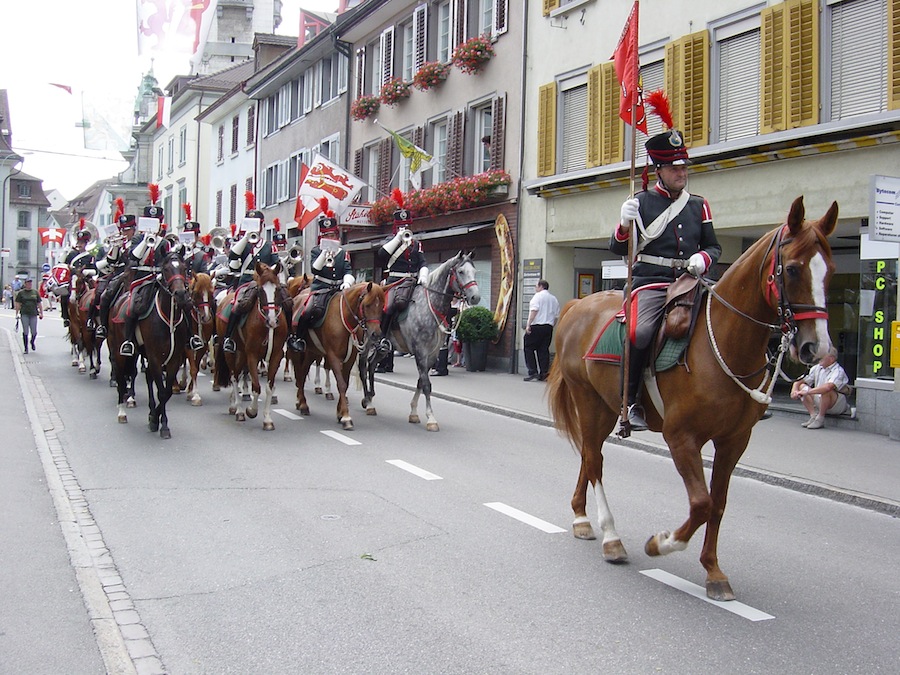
{"points": [[352, 318], [779, 283], [422, 329], [162, 336], [259, 341], [82, 338]]}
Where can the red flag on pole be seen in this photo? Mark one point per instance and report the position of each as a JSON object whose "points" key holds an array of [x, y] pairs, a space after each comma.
{"points": [[163, 111], [628, 73]]}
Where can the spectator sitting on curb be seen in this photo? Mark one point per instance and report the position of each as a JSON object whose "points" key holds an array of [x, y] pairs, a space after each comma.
{"points": [[823, 390]]}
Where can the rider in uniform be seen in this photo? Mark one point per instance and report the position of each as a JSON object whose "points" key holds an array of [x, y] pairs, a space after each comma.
{"points": [[403, 259], [194, 254], [112, 264], [250, 249], [77, 259], [332, 272], [674, 235]]}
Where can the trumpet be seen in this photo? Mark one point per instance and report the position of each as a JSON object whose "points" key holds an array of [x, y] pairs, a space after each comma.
{"points": [[329, 258], [406, 237], [114, 240], [152, 240], [253, 237], [217, 237], [295, 253]]}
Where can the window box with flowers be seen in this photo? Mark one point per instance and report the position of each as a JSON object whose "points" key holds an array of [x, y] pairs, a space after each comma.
{"points": [[430, 75], [364, 107], [472, 55], [394, 91], [462, 192]]}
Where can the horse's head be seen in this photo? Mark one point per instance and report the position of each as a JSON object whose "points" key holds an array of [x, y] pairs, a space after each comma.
{"points": [[203, 294], [367, 301], [462, 278], [172, 279], [799, 271], [297, 284], [270, 294]]}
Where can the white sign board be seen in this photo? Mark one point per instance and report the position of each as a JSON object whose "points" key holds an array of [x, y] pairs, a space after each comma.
{"points": [[884, 209], [4, 252], [148, 225], [357, 215]]}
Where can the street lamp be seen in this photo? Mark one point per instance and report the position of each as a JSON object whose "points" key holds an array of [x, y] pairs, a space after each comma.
{"points": [[4, 206]]}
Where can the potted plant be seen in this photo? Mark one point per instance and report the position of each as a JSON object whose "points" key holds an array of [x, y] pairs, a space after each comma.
{"points": [[430, 75], [476, 328], [394, 91], [364, 106], [472, 55]]}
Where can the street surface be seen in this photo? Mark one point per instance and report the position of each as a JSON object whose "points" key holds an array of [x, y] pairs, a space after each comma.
{"points": [[389, 549]]}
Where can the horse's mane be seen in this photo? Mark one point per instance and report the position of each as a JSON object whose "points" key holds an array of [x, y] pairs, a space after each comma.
{"points": [[443, 270]]}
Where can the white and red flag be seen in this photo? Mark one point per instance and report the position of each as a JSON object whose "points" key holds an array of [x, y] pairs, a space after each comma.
{"points": [[325, 179], [628, 73], [51, 235], [163, 111]]}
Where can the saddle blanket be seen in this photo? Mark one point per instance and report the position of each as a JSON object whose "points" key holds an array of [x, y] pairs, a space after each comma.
{"points": [[609, 346]]}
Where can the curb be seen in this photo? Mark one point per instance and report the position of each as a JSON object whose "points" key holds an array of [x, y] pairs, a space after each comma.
{"points": [[869, 502]]}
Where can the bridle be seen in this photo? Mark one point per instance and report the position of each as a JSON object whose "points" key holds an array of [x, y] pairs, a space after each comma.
{"points": [[362, 321], [458, 291]]}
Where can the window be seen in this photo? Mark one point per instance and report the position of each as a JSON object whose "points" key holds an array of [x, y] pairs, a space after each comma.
{"points": [[371, 175], [182, 199], [220, 144], [333, 76], [219, 199], [444, 40], [297, 160], [160, 158], [483, 124], [24, 189], [251, 125], [859, 52], [573, 103], [284, 105], [408, 55], [653, 77], [24, 220], [485, 17], [167, 207], [439, 151], [235, 133], [171, 154], [330, 148], [23, 249], [276, 182], [736, 72], [182, 145], [384, 66], [308, 93], [297, 98], [233, 204]]}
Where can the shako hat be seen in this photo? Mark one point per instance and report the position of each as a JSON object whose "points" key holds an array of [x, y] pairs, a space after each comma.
{"points": [[328, 225], [668, 147], [252, 211], [154, 210], [190, 225]]}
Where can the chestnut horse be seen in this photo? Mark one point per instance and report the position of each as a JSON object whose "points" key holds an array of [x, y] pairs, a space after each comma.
{"points": [[779, 283], [352, 317], [203, 293], [259, 340], [82, 338]]}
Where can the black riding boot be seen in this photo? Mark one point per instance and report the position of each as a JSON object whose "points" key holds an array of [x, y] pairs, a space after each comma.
{"points": [[196, 342], [227, 343], [106, 301], [386, 365], [127, 348], [64, 309], [637, 359]]}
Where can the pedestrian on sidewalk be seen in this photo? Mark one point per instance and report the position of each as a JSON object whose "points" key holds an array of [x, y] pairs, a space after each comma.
{"points": [[543, 312], [28, 307], [823, 391], [8, 296]]}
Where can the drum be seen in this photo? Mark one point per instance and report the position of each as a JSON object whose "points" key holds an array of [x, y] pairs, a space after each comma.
{"points": [[60, 280]]}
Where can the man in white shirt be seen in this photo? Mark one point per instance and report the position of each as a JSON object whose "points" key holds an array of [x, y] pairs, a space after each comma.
{"points": [[820, 390], [543, 312]]}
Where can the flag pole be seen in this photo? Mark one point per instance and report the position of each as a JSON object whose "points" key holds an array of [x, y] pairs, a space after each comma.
{"points": [[624, 426]]}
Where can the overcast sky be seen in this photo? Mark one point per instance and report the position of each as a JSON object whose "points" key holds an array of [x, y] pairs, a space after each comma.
{"points": [[91, 46]]}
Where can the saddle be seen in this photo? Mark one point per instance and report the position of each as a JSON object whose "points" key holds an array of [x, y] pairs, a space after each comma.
{"points": [[125, 304], [310, 299]]}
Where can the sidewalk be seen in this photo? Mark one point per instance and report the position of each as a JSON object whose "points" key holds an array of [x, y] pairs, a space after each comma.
{"points": [[837, 462]]}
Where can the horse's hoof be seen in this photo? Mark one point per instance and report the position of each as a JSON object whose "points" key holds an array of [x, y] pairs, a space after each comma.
{"points": [[123, 419], [165, 434], [196, 402], [82, 369], [232, 410], [153, 427], [329, 396], [216, 387], [274, 399], [347, 425], [719, 590], [251, 413], [74, 364], [318, 390], [245, 397], [432, 426], [93, 376], [304, 411], [268, 426], [583, 530], [614, 552], [371, 412], [364, 403], [239, 417], [414, 419], [131, 404]]}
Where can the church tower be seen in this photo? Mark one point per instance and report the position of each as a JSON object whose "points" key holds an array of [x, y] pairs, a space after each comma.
{"points": [[231, 32]]}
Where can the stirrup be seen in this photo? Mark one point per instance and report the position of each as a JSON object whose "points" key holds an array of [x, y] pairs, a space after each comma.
{"points": [[100, 331], [126, 348], [65, 323], [89, 323], [296, 344], [384, 346], [229, 346], [196, 343], [636, 418]]}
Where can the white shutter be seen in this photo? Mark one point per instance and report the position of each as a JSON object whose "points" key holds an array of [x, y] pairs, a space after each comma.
{"points": [[858, 58], [574, 128], [739, 62]]}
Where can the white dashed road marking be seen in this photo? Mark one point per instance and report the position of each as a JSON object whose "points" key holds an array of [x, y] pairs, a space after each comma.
{"points": [[346, 440], [287, 413], [521, 516], [732, 606], [421, 473]]}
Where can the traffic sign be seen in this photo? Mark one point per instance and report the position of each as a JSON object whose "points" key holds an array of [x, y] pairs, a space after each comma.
{"points": [[45, 267]]}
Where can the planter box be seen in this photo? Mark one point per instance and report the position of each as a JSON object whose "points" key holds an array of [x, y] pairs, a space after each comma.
{"points": [[475, 355]]}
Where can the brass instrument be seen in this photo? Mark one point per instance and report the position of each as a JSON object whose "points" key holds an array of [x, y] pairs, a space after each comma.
{"points": [[253, 237], [295, 253], [90, 227], [217, 237], [152, 240], [406, 237], [329, 258]]}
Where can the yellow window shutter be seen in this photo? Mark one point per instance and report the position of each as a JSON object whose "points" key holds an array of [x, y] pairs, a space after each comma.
{"points": [[893, 54], [771, 105], [613, 128], [550, 5], [687, 84], [802, 32], [594, 119], [546, 155]]}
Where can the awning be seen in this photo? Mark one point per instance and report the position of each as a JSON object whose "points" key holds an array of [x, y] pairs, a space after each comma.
{"points": [[458, 231]]}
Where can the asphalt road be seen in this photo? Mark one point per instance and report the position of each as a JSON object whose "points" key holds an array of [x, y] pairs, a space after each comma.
{"points": [[313, 550]]}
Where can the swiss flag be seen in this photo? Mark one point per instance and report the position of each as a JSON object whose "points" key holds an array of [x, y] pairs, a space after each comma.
{"points": [[51, 234], [307, 208]]}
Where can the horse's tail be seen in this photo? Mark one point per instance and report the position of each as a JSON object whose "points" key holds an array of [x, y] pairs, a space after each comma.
{"points": [[223, 372], [563, 406]]}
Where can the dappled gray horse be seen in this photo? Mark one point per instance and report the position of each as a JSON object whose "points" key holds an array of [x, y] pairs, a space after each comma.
{"points": [[422, 329]]}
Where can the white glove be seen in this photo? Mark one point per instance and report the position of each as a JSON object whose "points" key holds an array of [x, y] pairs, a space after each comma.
{"points": [[696, 264], [347, 282], [630, 210], [423, 275]]}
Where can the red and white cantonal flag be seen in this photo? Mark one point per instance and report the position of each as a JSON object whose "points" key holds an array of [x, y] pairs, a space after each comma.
{"points": [[172, 26], [325, 179], [628, 73], [51, 234], [163, 111]]}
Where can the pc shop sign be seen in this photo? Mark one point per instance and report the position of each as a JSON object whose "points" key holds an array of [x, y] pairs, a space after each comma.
{"points": [[884, 209]]}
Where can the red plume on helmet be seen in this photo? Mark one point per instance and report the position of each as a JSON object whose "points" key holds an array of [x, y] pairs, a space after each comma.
{"points": [[323, 204], [120, 208], [658, 103], [81, 224], [206, 239], [154, 192], [233, 229], [276, 224], [397, 196], [250, 198], [187, 211]]}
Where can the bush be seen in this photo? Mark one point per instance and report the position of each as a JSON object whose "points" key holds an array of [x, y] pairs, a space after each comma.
{"points": [[476, 323]]}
